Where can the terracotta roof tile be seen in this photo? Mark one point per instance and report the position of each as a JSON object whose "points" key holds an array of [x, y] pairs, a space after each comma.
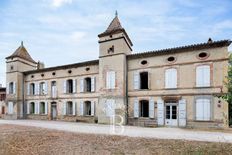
{"points": [[21, 52], [208, 45]]}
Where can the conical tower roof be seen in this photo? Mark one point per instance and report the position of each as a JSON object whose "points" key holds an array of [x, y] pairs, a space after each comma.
{"points": [[21, 52], [115, 27]]}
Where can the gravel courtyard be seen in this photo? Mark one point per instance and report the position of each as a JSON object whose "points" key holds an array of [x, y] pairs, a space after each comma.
{"points": [[22, 140], [131, 131]]}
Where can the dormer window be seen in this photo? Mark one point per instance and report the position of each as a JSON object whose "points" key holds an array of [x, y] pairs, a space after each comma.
{"points": [[111, 50]]}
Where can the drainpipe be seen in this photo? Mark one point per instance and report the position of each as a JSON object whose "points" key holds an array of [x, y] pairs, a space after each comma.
{"points": [[23, 102], [127, 92]]}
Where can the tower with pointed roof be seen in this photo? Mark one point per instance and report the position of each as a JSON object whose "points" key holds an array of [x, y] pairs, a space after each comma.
{"points": [[114, 46], [17, 63]]}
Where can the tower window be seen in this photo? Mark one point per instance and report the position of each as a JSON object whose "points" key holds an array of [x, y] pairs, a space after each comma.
{"points": [[11, 88], [111, 50], [11, 67], [144, 80]]}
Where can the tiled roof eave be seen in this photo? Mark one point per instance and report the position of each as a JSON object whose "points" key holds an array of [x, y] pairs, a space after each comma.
{"points": [[221, 43]]}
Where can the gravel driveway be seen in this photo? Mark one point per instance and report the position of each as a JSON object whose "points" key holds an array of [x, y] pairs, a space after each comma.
{"points": [[131, 131]]}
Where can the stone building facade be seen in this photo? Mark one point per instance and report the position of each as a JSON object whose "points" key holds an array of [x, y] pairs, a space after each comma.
{"points": [[178, 87], [2, 100]]}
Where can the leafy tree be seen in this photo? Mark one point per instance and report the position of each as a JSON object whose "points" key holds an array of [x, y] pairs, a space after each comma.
{"points": [[228, 96]]}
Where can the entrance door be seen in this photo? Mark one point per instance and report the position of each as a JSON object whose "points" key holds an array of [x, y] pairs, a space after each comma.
{"points": [[171, 115], [53, 111]]}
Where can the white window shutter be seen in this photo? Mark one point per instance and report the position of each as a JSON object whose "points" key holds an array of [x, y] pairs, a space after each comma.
{"points": [[206, 76], [182, 113], [46, 108], [108, 80], [203, 76], [65, 87], [82, 85], [136, 80], [93, 84], [92, 108], [74, 108], [14, 87], [81, 108], [28, 108], [7, 88], [199, 109], [64, 108], [46, 88], [174, 78], [28, 88], [74, 85], [136, 108], [37, 88], [167, 84], [160, 109], [38, 107], [151, 108], [10, 108], [206, 109], [112, 79]]}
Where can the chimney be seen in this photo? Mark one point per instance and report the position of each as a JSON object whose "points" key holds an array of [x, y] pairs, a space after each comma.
{"points": [[210, 40], [40, 65]]}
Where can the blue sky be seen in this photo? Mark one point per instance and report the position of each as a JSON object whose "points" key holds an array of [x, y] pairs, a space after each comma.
{"points": [[59, 32]]}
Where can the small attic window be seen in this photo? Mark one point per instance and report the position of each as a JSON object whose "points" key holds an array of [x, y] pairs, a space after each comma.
{"points": [[69, 71], [203, 55], [42, 75], [111, 36], [171, 59], [87, 69], [111, 50], [54, 73], [32, 76], [144, 62]]}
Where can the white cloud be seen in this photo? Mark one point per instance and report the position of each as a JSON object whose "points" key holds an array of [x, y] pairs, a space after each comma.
{"points": [[59, 3]]}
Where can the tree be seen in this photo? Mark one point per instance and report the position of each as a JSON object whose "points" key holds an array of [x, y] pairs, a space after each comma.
{"points": [[228, 96]]}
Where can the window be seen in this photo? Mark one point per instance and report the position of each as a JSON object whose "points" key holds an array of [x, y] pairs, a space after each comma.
{"points": [[69, 86], [42, 88], [11, 88], [10, 107], [53, 89], [203, 76], [171, 78], [2, 97], [144, 108], [32, 89], [111, 50], [171, 59], [42, 108], [87, 84], [110, 107], [32, 108], [144, 62], [110, 80], [87, 108], [69, 108], [203, 55], [203, 109], [144, 80]]}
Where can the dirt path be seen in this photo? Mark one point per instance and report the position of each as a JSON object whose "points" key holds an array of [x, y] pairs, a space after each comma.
{"points": [[159, 133], [22, 140]]}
